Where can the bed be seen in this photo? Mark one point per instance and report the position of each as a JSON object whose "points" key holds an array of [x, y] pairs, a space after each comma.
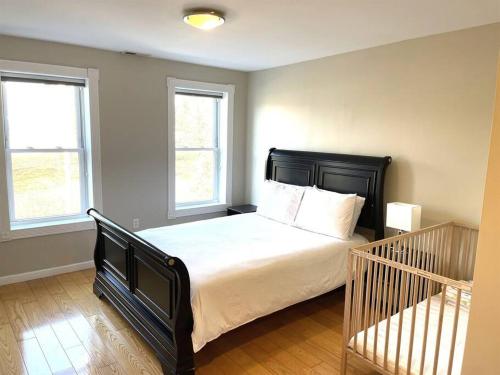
{"points": [[184, 285]]}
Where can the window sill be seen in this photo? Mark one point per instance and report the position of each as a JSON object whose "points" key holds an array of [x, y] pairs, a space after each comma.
{"points": [[48, 228], [198, 210]]}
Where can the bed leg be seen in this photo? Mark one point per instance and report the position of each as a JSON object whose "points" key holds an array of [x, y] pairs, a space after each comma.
{"points": [[97, 291]]}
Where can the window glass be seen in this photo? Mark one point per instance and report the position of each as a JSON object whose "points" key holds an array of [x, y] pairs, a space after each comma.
{"points": [[195, 121], [42, 115], [46, 184], [194, 176]]}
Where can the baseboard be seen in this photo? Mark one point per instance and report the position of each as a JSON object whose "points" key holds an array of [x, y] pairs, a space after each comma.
{"points": [[20, 277]]}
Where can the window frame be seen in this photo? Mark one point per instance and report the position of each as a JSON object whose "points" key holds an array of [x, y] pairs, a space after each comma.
{"points": [[88, 151], [224, 145]]}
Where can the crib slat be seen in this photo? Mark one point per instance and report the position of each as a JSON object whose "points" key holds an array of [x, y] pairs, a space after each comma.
{"points": [[414, 247], [388, 324], [409, 277], [399, 258], [376, 266], [425, 261], [440, 329], [367, 304], [466, 253], [432, 262], [386, 280], [449, 243], [360, 296], [419, 263], [377, 311], [347, 311], [357, 286], [401, 317], [454, 332], [373, 287], [413, 319], [426, 329], [443, 251]]}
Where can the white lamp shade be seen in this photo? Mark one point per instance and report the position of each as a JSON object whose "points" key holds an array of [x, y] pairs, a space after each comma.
{"points": [[403, 216]]}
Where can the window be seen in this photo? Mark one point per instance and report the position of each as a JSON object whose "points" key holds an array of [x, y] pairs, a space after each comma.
{"points": [[200, 145], [50, 172]]}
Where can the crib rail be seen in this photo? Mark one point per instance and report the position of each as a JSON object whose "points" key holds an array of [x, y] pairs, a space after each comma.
{"points": [[407, 300]]}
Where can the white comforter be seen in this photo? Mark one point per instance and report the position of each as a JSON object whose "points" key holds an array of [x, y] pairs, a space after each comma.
{"points": [[243, 267]]}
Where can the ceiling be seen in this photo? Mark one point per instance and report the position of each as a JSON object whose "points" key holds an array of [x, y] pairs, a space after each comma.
{"points": [[258, 34]]}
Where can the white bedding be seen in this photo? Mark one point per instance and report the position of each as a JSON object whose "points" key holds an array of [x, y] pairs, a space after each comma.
{"points": [[243, 267], [444, 348]]}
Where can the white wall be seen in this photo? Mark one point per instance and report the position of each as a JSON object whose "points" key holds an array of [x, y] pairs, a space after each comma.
{"points": [[426, 102], [133, 112]]}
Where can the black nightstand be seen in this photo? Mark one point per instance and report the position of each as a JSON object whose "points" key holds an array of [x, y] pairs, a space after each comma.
{"points": [[243, 209]]}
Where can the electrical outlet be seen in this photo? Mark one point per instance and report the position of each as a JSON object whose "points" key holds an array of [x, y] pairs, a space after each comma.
{"points": [[136, 223]]}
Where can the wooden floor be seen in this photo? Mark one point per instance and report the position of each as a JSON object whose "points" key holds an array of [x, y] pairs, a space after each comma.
{"points": [[57, 326]]}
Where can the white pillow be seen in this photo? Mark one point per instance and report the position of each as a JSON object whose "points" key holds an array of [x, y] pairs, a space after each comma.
{"points": [[326, 212], [358, 206], [280, 201]]}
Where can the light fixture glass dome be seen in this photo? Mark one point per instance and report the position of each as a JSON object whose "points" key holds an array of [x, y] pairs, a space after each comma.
{"points": [[204, 19]]}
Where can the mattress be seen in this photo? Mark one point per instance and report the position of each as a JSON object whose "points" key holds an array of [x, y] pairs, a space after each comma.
{"points": [[446, 337], [243, 267]]}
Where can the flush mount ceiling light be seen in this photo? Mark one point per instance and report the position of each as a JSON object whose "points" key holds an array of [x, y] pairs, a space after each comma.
{"points": [[204, 19]]}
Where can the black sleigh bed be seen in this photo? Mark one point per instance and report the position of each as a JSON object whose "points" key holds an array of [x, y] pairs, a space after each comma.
{"points": [[152, 289]]}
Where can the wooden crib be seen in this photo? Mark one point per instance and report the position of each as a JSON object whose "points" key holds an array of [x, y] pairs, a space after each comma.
{"points": [[407, 301]]}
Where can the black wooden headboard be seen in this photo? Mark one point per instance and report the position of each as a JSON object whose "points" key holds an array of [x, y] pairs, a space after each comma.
{"points": [[363, 175]]}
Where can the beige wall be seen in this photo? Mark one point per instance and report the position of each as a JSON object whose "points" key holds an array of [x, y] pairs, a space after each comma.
{"points": [[426, 102], [483, 340], [133, 110]]}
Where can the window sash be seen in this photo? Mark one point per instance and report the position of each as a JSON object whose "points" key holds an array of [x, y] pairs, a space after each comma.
{"points": [[10, 185], [81, 150], [79, 103]]}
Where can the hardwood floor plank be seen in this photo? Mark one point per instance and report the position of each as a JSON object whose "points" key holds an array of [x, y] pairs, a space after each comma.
{"points": [[247, 363], [89, 274], [11, 362], [65, 334], [19, 292], [325, 369], [80, 359], [77, 277], [97, 349], [124, 354], [46, 301], [71, 287], [34, 359], [52, 285], [51, 347], [4, 317], [114, 369], [66, 304], [110, 312], [18, 320], [139, 346], [265, 359]]}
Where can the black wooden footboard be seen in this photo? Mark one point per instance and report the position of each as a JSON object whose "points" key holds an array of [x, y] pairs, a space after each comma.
{"points": [[149, 288]]}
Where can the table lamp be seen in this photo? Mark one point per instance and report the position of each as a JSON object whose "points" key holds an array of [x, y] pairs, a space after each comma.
{"points": [[404, 217]]}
